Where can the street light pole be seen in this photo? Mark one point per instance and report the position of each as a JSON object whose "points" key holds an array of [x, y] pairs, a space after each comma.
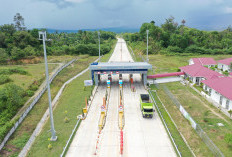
{"points": [[44, 38], [99, 46], [147, 45]]}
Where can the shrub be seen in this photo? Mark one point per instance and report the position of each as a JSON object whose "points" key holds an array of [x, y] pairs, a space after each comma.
{"points": [[13, 71], [66, 119], [30, 93], [49, 146], [4, 79], [33, 87], [228, 139]]}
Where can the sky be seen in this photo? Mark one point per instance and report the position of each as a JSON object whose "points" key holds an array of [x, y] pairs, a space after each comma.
{"points": [[92, 14]]}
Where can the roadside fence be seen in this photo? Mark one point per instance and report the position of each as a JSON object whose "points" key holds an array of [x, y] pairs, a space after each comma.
{"points": [[23, 116], [215, 150]]}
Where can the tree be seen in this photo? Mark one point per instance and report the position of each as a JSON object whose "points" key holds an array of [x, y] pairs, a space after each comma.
{"points": [[170, 25], [19, 22], [9, 29], [183, 22], [152, 22]]}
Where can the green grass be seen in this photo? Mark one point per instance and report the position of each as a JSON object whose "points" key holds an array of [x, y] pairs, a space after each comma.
{"points": [[37, 112], [197, 145], [35, 71], [165, 64], [205, 114], [72, 100], [185, 152]]}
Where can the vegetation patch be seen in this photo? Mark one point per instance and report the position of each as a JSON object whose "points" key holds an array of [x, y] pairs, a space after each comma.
{"points": [[65, 117], [4, 79], [173, 130], [30, 122], [11, 71]]}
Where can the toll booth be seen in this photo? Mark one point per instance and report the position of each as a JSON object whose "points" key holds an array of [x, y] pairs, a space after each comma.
{"points": [[99, 68]]}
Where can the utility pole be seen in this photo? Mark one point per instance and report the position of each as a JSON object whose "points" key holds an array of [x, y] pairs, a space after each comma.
{"points": [[147, 45], [99, 46], [44, 38]]}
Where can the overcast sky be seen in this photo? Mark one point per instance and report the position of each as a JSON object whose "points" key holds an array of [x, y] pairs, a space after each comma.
{"points": [[79, 14]]}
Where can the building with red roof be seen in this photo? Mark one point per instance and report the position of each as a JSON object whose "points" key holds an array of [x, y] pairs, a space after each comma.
{"points": [[196, 73], [203, 61], [220, 90], [224, 64]]}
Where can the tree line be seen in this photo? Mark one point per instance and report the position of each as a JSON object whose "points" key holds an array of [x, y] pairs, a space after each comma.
{"points": [[16, 42], [172, 37]]}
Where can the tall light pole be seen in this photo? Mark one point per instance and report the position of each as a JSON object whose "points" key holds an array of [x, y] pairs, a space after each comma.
{"points": [[99, 46], [147, 45], [44, 38]]}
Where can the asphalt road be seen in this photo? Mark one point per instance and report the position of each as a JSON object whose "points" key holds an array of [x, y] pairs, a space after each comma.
{"points": [[142, 137]]}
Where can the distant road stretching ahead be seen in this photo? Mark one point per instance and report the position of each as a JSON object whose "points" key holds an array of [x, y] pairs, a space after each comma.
{"points": [[142, 137]]}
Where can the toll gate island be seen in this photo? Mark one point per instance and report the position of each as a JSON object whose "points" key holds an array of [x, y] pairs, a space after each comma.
{"points": [[99, 68]]}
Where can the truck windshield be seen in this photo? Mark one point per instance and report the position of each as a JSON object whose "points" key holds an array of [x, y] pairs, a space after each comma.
{"points": [[148, 110]]}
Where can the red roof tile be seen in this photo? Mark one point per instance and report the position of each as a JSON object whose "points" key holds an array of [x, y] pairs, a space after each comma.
{"points": [[204, 61], [196, 70], [222, 85], [226, 61]]}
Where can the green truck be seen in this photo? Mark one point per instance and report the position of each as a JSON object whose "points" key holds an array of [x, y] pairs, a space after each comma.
{"points": [[146, 106]]}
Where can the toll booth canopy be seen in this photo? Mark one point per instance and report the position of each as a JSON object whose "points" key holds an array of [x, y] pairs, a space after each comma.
{"points": [[98, 68]]}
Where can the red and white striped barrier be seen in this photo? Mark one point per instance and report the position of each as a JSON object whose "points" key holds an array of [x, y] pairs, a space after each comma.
{"points": [[121, 142], [98, 138]]}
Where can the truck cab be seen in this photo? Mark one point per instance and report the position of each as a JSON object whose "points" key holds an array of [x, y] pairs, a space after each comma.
{"points": [[146, 106]]}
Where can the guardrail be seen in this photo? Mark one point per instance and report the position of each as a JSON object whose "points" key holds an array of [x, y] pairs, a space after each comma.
{"points": [[170, 135], [70, 138], [23, 116]]}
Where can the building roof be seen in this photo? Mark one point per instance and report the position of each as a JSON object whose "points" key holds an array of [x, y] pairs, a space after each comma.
{"points": [[222, 85], [165, 75], [226, 61], [120, 66], [196, 70], [204, 61]]}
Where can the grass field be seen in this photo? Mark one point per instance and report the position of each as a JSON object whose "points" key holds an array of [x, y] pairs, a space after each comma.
{"points": [[195, 142], [165, 64], [205, 114], [72, 101], [185, 152], [22, 134], [35, 73]]}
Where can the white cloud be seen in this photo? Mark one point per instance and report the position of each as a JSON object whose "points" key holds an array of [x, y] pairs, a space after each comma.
{"points": [[228, 10], [75, 1]]}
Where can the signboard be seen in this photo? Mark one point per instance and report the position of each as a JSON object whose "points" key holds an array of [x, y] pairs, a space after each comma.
{"points": [[88, 82], [120, 81], [108, 82], [187, 116]]}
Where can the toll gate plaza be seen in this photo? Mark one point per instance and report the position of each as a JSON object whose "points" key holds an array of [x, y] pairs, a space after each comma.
{"points": [[98, 68]]}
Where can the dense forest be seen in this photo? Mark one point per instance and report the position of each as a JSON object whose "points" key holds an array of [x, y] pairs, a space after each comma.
{"points": [[16, 42], [172, 38]]}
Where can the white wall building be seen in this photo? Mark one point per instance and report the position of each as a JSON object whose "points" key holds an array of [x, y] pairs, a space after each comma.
{"points": [[220, 90], [224, 64]]}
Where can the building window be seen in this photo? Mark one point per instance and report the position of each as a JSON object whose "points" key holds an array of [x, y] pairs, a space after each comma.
{"points": [[216, 92], [227, 104], [210, 90], [206, 88], [221, 98]]}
